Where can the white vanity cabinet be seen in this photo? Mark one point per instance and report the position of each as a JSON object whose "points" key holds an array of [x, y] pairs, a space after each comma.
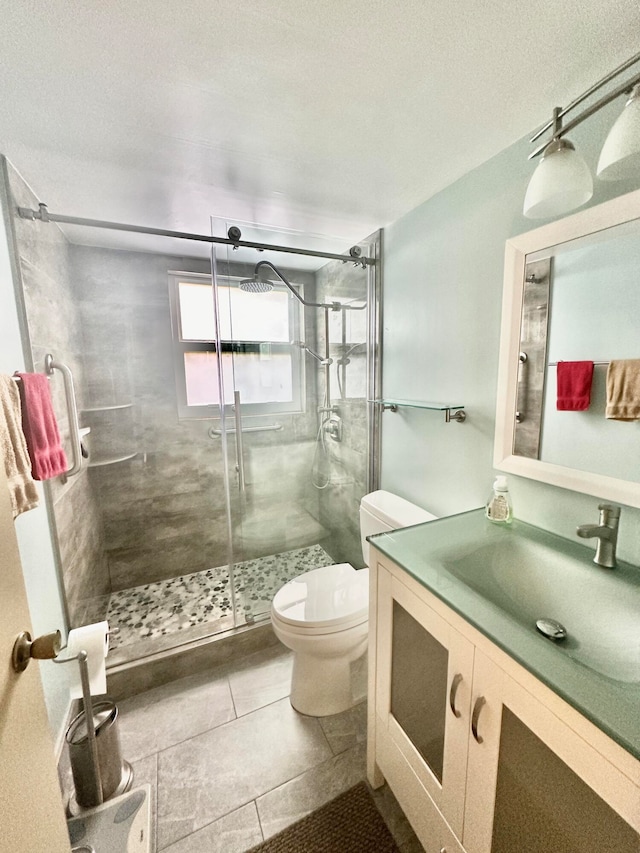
{"points": [[481, 755]]}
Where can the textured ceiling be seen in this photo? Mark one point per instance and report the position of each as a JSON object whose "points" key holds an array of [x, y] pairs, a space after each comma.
{"points": [[333, 116]]}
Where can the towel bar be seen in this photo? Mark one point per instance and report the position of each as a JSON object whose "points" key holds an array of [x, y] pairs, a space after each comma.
{"points": [[72, 410], [214, 431]]}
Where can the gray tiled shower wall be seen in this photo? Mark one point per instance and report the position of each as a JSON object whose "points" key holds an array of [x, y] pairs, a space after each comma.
{"points": [[55, 325], [162, 513]]}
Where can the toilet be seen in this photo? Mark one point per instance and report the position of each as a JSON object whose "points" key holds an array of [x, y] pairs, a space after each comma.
{"points": [[322, 615]]}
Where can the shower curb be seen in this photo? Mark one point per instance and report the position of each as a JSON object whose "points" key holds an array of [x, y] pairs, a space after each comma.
{"points": [[128, 679]]}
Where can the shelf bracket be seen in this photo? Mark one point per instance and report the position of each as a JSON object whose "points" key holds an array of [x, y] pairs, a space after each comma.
{"points": [[389, 407], [458, 415]]}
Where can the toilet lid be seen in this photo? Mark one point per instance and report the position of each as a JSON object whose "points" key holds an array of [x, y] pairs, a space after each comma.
{"points": [[326, 597]]}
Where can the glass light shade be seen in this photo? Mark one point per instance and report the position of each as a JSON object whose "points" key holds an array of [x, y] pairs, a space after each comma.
{"points": [[561, 182], [620, 155]]}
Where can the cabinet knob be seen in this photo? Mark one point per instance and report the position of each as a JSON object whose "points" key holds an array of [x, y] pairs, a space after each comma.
{"points": [[479, 705], [455, 683]]}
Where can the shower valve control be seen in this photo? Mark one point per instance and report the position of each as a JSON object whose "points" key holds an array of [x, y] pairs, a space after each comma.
{"points": [[333, 427]]}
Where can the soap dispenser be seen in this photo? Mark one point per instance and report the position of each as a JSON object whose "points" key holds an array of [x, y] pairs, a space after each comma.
{"points": [[499, 508]]}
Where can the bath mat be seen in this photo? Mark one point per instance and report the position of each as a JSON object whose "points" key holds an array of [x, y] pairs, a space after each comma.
{"points": [[349, 824]]}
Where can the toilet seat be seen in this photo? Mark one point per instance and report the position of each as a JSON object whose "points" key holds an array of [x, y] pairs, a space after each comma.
{"points": [[326, 600]]}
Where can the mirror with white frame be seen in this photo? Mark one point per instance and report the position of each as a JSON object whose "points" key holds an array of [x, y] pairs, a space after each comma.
{"points": [[571, 293]]}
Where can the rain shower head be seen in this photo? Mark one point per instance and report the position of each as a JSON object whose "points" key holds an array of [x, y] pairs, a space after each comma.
{"points": [[258, 284], [255, 285]]}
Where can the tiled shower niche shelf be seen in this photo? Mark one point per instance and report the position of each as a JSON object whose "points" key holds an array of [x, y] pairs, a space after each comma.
{"points": [[452, 412]]}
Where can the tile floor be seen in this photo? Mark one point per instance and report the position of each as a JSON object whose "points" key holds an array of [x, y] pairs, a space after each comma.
{"points": [[231, 763], [200, 599]]}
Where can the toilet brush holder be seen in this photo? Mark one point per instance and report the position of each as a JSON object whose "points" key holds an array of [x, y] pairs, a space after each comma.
{"points": [[115, 774], [98, 769]]}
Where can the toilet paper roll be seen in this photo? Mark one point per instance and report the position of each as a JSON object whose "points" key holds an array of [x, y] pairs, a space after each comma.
{"points": [[94, 639]]}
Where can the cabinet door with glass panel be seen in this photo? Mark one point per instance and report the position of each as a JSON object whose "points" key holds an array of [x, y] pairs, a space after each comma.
{"points": [[536, 785], [423, 693]]}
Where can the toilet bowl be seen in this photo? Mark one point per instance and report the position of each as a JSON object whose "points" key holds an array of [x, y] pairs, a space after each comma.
{"points": [[322, 615]]}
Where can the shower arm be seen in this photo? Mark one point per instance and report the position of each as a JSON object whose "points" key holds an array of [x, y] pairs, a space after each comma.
{"points": [[318, 358], [333, 306]]}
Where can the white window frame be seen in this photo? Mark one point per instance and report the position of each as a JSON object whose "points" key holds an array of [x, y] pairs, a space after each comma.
{"points": [[180, 347]]}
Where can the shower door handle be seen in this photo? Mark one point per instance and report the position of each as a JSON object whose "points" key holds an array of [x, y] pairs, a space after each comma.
{"points": [[239, 449]]}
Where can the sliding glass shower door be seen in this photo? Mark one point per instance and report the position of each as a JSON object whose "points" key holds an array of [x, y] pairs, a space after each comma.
{"points": [[270, 420], [294, 414]]}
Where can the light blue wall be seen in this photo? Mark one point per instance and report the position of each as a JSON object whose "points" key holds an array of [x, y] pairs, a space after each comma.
{"points": [[32, 528], [443, 275]]}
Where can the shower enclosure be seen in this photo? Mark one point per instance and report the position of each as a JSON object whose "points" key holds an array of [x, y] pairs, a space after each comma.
{"points": [[230, 436]]}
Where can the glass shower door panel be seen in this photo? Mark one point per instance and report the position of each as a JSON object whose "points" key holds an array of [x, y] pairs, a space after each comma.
{"points": [[270, 420], [301, 372]]}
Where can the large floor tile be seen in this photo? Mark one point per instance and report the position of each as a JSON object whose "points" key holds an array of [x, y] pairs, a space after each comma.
{"points": [[233, 833], [346, 729], [299, 797], [164, 716], [214, 773], [261, 678]]}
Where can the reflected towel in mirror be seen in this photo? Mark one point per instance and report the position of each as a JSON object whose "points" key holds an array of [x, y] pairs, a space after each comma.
{"points": [[574, 385], [623, 390]]}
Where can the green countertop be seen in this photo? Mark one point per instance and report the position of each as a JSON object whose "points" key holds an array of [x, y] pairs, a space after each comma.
{"points": [[426, 550]]}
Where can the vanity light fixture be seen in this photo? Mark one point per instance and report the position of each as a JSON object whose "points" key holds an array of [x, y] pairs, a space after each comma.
{"points": [[620, 155], [562, 180]]}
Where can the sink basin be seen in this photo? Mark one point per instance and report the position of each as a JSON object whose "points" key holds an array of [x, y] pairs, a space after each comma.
{"points": [[530, 580]]}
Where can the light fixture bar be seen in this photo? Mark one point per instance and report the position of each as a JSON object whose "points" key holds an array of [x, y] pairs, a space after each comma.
{"points": [[586, 113], [589, 91]]}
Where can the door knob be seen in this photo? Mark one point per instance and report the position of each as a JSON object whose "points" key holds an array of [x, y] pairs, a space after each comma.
{"points": [[45, 647]]}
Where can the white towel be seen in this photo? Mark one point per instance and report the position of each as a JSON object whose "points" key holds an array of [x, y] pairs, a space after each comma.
{"points": [[13, 447]]}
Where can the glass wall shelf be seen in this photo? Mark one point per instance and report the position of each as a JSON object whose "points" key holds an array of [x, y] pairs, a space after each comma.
{"points": [[452, 412]]}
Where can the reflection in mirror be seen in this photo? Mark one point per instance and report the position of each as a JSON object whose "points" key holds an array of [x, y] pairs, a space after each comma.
{"points": [[571, 293], [532, 359], [592, 295]]}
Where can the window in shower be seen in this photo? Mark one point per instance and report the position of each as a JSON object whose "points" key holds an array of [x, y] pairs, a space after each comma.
{"points": [[257, 348]]}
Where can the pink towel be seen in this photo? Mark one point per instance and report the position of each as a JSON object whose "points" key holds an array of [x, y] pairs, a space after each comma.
{"points": [[574, 385], [40, 427]]}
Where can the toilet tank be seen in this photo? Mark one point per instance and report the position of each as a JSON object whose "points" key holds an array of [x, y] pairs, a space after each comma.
{"points": [[381, 511]]}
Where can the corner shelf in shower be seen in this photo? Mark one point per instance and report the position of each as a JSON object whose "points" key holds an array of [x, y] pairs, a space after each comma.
{"points": [[451, 412], [112, 433], [99, 463], [108, 408]]}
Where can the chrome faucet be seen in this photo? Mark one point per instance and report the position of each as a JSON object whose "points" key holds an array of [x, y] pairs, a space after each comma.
{"points": [[606, 532]]}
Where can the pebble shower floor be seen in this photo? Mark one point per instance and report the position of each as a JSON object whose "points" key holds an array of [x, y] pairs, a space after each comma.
{"points": [[170, 606]]}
